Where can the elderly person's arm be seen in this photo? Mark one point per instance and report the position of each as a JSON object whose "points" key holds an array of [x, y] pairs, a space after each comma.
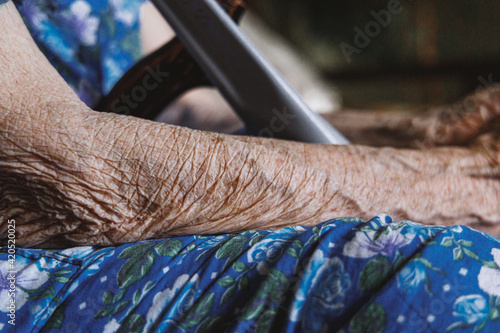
{"points": [[69, 175]]}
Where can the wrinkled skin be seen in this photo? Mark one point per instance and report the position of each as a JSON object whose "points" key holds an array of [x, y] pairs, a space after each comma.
{"points": [[72, 176], [473, 120]]}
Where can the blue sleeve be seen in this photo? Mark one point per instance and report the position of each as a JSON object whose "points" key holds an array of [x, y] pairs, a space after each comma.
{"points": [[91, 43]]}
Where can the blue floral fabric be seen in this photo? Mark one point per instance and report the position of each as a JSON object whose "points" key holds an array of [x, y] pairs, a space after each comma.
{"points": [[342, 275], [92, 43]]}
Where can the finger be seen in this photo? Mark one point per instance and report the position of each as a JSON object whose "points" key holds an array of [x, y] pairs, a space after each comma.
{"points": [[462, 123]]}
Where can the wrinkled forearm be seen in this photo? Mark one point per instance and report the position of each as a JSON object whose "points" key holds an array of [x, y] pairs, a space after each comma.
{"points": [[444, 186], [435, 186], [72, 176], [149, 180], [123, 179]]}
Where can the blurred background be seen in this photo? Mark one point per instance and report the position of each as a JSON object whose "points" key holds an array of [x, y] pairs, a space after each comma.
{"points": [[431, 52]]}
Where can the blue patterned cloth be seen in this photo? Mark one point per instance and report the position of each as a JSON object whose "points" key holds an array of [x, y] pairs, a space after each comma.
{"points": [[344, 274], [92, 43]]}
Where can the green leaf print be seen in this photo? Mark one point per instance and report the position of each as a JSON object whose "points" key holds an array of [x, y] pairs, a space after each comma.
{"points": [[458, 254], [481, 326], [122, 306], [465, 243], [457, 325], [232, 247], [189, 248], [228, 294], [381, 231], [239, 266], [107, 298], [253, 310], [57, 318], [255, 239], [265, 322], [49, 293], [135, 269], [103, 313], [274, 286], [148, 286], [133, 324], [137, 297], [494, 314], [243, 283], [62, 279], [293, 252], [169, 247], [447, 242], [374, 273], [135, 250], [470, 254], [226, 281], [199, 312], [490, 264], [62, 272], [119, 296]]}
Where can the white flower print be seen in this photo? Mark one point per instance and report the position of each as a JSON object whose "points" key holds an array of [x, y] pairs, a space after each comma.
{"points": [[489, 278], [364, 244], [28, 276]]}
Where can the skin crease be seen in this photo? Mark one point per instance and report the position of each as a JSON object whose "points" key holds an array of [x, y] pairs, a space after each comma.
{"points": [[72, 176]]}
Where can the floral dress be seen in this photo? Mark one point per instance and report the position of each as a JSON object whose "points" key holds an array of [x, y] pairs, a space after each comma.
{"points": [[92, 43], [343, 275]]}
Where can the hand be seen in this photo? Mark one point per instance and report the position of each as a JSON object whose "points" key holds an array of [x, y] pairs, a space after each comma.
{"points": [[460, 124]]}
